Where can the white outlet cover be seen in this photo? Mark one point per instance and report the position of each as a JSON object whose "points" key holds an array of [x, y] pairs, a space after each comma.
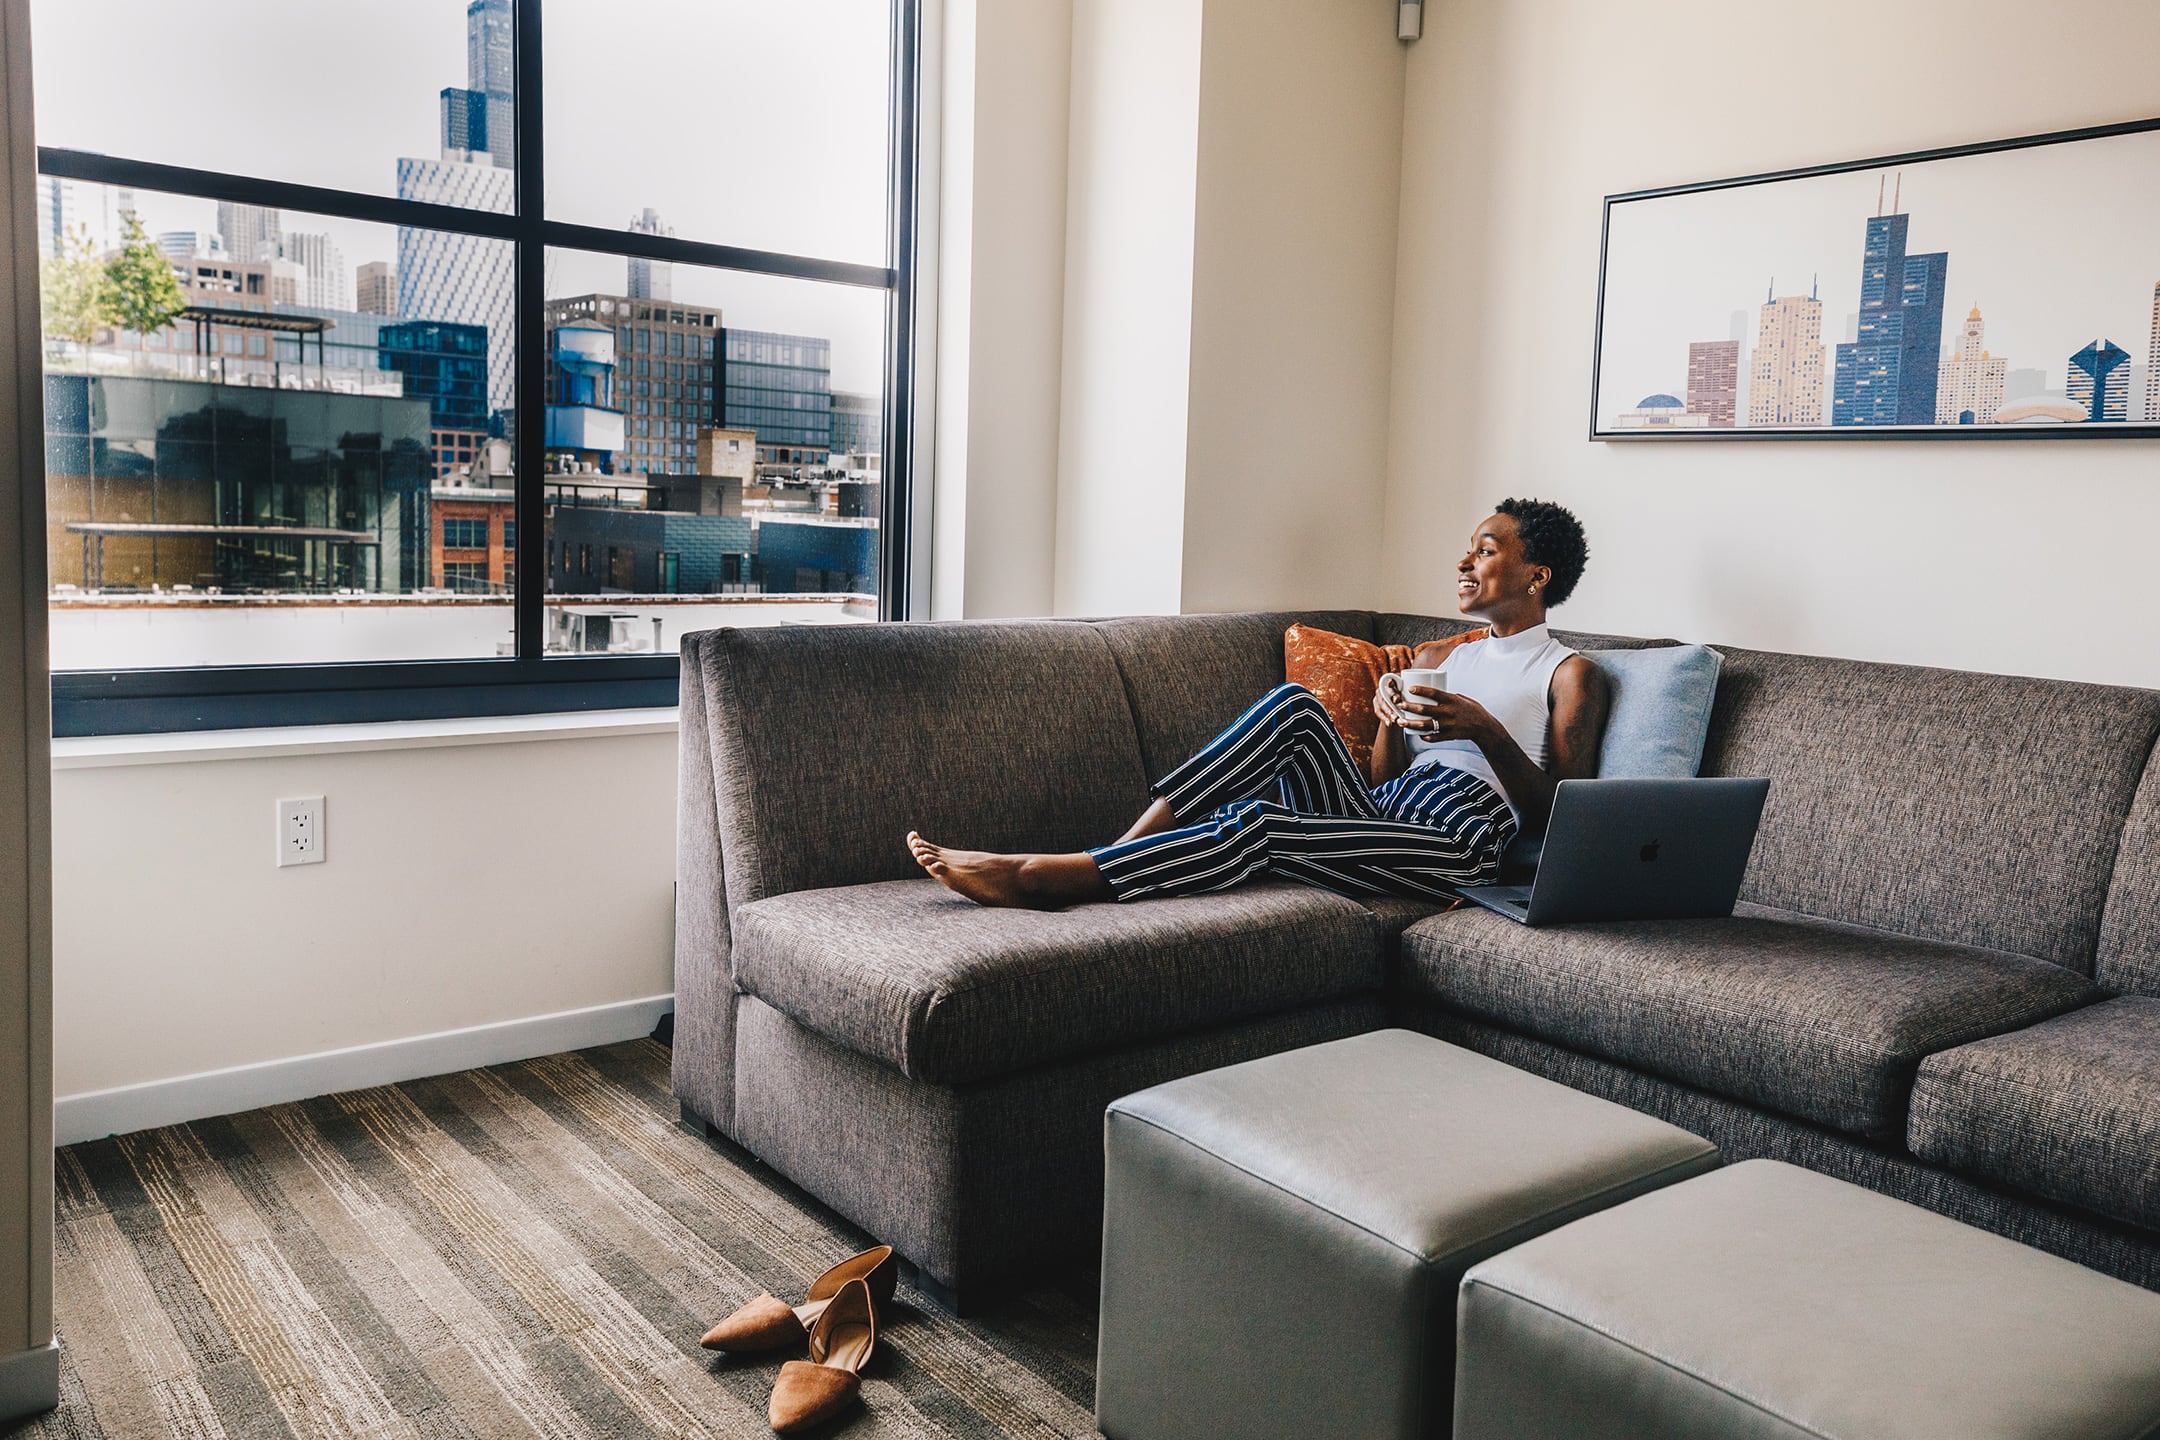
{"points": [[300, 831]]}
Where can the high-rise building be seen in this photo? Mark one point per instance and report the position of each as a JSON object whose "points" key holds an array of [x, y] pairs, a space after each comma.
{"points": [[665, 381], [66, 208], [375, 290], [187, 244], [2100, 381], [1887, 374], [447, 366], [250, 231], [1970, 390], [480, 118], [781, 387], [324, 282], [1713, 380], [2152, 365], [651, 279], [1786, 378], [467, 279], [858, 423]]}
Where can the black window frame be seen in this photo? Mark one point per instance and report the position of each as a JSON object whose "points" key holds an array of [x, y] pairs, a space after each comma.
{"points": [[147, 701]]}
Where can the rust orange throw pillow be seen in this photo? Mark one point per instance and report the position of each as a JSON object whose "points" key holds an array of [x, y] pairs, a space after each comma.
{"points": [[1344, 671]]}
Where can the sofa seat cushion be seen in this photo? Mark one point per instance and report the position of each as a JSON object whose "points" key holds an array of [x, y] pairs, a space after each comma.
{"points": [[1397, 913], [1822, 1021], [2069, 1109], [944, 990]]}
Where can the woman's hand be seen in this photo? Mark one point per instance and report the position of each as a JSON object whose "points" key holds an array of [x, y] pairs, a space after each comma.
{"points": [[1387, 701], [1443, 715]]}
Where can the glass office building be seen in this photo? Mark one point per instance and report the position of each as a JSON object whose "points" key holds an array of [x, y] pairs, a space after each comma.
{"points": [[781, 387], [157, 483]]}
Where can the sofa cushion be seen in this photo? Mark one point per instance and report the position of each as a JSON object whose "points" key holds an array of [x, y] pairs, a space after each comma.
{"points": [[2129, 955], [1978, 809], [2069, 1109], [1189, 676], [1392, 628], [1823, 1021], [1661, 701], [944, 990], [829, 743]]}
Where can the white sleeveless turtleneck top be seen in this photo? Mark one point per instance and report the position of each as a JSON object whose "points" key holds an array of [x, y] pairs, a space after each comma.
{"points": [[1512, 677]]}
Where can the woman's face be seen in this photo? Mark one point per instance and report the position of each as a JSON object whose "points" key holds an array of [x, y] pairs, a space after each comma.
{"points": [[1493, 575]]}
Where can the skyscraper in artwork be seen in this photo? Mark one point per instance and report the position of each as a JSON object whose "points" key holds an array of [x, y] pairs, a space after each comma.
{"points": [[1970, 389], [2152, 364], [1887, 375], [2100, 381], [1786, 377], [1713, 380]]}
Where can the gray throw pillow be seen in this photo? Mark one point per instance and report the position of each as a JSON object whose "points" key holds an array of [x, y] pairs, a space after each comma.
{"points": [[1660, 713]]}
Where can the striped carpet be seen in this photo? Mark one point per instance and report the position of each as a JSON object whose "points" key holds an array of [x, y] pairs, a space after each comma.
{"points": [[527, 1250]]}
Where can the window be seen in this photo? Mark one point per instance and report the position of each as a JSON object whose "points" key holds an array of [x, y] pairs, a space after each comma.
{"points": [[465, 534], [466, 578], [281, 437]]}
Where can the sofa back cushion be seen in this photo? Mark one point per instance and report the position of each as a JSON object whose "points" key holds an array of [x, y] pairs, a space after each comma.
{"points": [[830, 743], [1189, 676], [1979, 809], [2129, 958], [1397, 629]]}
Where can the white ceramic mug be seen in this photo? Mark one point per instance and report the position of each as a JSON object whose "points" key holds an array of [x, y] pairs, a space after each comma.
{"points": [[1430, 679]]}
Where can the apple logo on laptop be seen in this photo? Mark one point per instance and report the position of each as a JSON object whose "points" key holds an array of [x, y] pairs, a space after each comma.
{"points": [[1649, 851]]}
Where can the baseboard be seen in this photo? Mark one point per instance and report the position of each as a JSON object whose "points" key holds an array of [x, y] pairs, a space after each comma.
{"points": [[29, 1382], [98, 1113]]}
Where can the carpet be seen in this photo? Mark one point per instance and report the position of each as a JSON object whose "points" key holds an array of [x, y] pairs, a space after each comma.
{"points": [[525, 1250]]}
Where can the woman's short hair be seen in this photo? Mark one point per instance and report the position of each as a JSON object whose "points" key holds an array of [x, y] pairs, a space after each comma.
{"points": [[1552, 537]]}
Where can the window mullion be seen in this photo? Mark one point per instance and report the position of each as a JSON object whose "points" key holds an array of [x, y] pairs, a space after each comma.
{"points": [[530, 592]]}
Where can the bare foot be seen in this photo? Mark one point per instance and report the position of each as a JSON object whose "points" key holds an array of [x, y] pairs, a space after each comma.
{"points": [[1033, 882]]}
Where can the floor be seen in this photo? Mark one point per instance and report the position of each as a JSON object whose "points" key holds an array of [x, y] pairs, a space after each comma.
{"points": [[527, 1250]]}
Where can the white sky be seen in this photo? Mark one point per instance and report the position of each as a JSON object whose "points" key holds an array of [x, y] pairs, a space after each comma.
{"points": [[759, 123], [2059, 245]]}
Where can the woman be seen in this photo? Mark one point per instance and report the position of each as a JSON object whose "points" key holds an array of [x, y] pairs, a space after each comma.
{"points": [[1456, 774]]}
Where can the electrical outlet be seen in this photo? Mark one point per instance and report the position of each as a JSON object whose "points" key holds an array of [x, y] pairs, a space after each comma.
{"points": [[300, 831]]}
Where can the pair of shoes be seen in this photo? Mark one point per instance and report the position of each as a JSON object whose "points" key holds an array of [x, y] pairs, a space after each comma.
{"points": [[839, 1319]]}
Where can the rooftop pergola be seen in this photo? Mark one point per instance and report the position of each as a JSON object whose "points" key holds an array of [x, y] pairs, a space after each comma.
{"points": [[300, 326]]}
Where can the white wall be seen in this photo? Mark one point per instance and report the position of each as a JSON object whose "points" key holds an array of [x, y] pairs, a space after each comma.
{"points": [[1134, 138], [1001, 295], [2016, 556], [465, 884], [1169, 230], [1293, 297]]}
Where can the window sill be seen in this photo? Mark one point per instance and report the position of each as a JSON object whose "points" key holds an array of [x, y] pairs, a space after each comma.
{"points": [[95, 752]]}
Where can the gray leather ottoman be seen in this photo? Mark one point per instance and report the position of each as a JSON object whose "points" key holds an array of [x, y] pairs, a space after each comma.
{"points": [[1768, 1301], [1282, 1239]]}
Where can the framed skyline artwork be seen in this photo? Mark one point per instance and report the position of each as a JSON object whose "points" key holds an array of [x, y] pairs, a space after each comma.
{"points": [[2001, 291]]}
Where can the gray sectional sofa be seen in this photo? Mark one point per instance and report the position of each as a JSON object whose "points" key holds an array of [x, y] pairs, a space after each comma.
{"points": [[1943, 981]]}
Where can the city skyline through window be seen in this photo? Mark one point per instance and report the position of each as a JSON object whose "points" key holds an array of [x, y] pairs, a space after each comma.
{"points": [[311, 436]]}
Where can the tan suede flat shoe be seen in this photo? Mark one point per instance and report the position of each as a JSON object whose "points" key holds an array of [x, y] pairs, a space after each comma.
{"points": [[810, 1392], [769, 1323]]}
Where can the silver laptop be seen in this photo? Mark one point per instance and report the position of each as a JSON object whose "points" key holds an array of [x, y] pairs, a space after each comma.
{"points": [[1637, 850]]}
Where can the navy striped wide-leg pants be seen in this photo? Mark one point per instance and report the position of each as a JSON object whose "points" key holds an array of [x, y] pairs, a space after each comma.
{"points": [[1420, 835]]}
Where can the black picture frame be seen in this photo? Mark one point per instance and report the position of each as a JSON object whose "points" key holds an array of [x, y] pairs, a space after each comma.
{"points": [[2110, 430]]}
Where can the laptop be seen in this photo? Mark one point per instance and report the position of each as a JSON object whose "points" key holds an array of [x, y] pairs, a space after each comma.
{"points": [[1637, 850]]}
